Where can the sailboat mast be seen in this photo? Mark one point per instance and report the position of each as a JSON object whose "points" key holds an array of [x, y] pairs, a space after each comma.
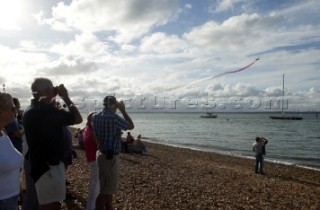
{"points": [[282, 93]]}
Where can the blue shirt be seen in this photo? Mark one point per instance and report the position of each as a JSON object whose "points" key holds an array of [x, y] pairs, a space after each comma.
{"points": [[107, 128]]}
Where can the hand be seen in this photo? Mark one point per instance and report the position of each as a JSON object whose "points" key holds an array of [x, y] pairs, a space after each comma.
{"points": [[62, 91], [121, 106]]}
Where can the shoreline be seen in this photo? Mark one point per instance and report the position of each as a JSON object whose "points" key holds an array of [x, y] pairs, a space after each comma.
{"points": [[228, 153], [178, 178]]}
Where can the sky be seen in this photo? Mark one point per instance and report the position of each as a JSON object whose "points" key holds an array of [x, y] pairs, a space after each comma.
{"points": [[159, 54]]}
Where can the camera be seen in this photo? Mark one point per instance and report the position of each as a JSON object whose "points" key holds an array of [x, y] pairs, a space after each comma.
{"points": [[56, 90]]}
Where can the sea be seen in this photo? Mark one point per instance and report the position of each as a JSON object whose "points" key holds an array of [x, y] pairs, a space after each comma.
{"points": [[292, 142]]}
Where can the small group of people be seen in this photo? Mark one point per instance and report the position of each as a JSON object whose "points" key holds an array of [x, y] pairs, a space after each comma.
{"points": [[129, 144], [44, 125], [45, 128]]}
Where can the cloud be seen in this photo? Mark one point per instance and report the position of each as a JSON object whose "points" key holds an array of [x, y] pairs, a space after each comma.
{"points": [[123, 21], [227, 90], [67, 66], [162, 44], [314, 92], [84, 45], [236, 34], [2, 80], [224, 5], [273, 91], [162, 47], [188, 6]]}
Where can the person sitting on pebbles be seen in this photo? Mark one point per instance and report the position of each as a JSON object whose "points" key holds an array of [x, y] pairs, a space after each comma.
{"points": [[139, 143]]}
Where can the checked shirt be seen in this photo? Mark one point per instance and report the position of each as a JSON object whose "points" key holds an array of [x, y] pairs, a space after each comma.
{"points": [[107, 128]]}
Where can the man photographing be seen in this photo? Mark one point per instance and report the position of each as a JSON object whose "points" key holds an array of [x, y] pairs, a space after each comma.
{"points": [[107, 126], [43, 123], [259, 149]]}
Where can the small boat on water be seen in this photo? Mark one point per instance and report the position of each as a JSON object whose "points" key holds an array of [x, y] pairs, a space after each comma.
{"points": [[209, 115], [285, 117]]}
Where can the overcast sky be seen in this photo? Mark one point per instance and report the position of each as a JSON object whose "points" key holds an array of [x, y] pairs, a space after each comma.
{"points": [[161, 48]]}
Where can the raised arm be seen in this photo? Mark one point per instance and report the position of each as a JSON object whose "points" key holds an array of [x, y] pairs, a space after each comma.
{"points": [[121, 106], [63, 93]]}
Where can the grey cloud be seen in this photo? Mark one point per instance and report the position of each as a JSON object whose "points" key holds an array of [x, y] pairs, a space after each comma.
{"points": [[129, 19], [69, 66]]}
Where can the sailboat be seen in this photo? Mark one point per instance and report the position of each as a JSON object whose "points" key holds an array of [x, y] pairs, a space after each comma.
{"points": [[284, 116]]}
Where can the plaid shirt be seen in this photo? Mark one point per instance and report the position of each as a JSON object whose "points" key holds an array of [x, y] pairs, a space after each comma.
{"points": [[107, 128]]}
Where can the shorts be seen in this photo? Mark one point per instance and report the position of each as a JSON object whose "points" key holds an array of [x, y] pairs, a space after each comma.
{"points": [[51, 187], [108, 173]]}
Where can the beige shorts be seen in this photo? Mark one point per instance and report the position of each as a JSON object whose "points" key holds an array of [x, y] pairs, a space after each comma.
{"points": [[108, 173], [51, 187]]}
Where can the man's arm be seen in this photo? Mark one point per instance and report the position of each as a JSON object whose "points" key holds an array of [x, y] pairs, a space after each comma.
{"points": [[125, 115], [63, 93], [265, 140]]}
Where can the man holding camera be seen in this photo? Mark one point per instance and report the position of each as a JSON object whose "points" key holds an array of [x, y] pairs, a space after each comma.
{"points": [[43, 124], [107, 126], [259, 149]]}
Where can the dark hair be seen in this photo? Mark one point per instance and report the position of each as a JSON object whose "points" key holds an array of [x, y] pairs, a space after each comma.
{"points": [[5, 99], [109, 101], [16, 101], [89, 118], [39, 85]]}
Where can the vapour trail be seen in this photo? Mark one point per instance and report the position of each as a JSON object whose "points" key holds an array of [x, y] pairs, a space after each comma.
{"points": [[216, 76]]}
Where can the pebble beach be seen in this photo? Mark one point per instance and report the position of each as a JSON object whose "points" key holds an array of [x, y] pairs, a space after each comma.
{"points": [[177, 178]]}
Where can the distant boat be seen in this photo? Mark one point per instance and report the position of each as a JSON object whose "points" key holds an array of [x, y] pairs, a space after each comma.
{"points": [[209, 115], [284, 116]]}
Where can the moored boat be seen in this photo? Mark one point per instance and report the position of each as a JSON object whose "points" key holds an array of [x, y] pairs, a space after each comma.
{"points": [[209, 115]]}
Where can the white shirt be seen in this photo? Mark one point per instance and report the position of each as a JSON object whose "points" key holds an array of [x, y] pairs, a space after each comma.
{"points": [[11, 161]]}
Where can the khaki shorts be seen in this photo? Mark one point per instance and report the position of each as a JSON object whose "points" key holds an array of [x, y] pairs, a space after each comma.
{"points": [[108, 173], [51, 187]]}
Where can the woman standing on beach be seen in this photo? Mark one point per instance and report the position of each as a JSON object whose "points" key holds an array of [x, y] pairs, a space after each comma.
{"points": [[10, 159], [90, 148]]}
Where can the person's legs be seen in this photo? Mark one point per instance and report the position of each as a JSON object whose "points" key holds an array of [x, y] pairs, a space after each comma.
{"points": [[261, 165], [51, 206], [104, 202], [108, 178], [256, 166], [93, 190], [30, 201]]}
